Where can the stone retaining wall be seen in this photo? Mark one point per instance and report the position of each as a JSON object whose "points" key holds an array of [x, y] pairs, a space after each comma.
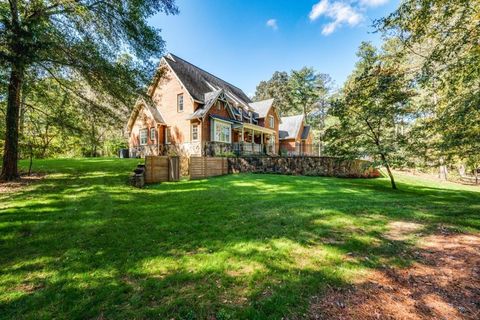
{"points": [[307, 166]]}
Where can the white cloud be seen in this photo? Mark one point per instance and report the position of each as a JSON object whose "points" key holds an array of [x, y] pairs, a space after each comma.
{"points": [[373, 3], [272, 23], [318, 9], [338, 11], [329, 28], [341, 12]]}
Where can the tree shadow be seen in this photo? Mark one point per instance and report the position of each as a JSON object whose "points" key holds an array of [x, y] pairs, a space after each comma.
{"points": [[85, 245]]}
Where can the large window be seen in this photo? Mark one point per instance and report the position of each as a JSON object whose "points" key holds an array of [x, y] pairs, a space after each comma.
{"points": [[271, 120], [180, 102], [152, 134], [194, 132], [143, 137], [222, 132]]}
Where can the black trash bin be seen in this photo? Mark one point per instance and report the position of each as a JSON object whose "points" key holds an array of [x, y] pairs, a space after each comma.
{"points": [[123, 153]]}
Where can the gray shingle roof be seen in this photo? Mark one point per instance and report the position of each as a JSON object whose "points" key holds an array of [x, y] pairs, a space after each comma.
{"points": [[198, 82], [141, 103], [262, 107], [290, 126], [157, 116]]}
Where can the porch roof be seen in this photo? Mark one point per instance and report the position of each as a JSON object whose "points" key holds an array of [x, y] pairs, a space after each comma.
{"points": [[255, 127], [214, 116]]}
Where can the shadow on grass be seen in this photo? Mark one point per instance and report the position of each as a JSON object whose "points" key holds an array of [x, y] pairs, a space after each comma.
{"points": [[83, 244]]}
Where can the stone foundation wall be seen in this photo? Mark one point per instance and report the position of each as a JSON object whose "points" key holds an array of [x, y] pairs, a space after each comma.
{"points": [[307, 166]]}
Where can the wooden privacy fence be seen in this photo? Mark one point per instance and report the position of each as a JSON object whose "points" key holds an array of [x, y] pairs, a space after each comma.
{"points": [[204, 167], [161, 169]]}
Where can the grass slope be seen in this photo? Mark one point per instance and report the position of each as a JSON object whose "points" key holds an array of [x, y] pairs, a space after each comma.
{"points": [[83, 244]]}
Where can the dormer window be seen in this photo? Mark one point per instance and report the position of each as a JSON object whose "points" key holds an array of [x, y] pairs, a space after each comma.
{"points": [[180, 102]]}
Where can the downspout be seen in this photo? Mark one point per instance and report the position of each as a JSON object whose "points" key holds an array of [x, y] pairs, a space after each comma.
{"points": [[201, 136], [158, 138]]}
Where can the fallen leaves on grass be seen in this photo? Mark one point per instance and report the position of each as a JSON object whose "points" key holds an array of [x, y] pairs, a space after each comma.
{"points": [[443, 284], [23, 181]]}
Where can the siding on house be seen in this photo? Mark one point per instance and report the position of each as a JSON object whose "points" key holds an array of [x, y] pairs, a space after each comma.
{"points": [[265, 122], [165, 98], [143, 121]]}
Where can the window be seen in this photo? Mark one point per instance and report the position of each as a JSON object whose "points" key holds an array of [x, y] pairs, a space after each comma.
{"points": [[271, 121], [222, 132], [143, 137], [152, 134], [180, 102], [194, 132], [167, 135]]}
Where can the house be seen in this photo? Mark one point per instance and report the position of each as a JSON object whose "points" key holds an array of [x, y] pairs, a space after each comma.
{"points": [[190, 111], [295, 136]]}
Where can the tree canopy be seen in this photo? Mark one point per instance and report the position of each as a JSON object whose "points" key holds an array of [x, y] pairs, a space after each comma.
{"points": [[301, 91], [107, 45]]}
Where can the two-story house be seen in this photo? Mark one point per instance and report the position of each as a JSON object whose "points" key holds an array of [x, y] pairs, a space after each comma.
{"points": [[196, 113]]}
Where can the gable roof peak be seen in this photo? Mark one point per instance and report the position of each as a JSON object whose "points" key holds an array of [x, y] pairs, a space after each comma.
{"points": [[262, 107], [169, 56], [198, 81], [290, 126]]}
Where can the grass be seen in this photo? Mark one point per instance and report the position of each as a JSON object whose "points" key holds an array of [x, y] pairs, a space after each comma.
{"points": [[83, 244]]}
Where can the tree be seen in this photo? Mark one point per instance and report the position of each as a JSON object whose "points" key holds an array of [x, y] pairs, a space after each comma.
{"points": [[277, 87], [83, 39], [307, 89], [303, 90], [443, 37], [374, 101]]}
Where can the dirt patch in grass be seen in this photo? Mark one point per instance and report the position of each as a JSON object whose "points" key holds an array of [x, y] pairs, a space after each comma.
{"points": [[402, 230], [23, 181], [444, 283]]}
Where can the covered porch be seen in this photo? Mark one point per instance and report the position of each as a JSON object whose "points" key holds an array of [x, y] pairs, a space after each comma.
{"points": [[251, 139]]}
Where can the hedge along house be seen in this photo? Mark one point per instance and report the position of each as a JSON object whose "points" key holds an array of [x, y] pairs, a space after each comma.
{"points": [[193, 112], [295, 136]]}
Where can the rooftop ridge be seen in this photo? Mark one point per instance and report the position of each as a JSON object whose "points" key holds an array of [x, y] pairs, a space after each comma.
{"points": [[177, 57]]}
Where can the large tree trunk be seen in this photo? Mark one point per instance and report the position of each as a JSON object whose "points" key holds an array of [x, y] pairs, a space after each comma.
{"points": [[10, 153], [385, 163]]}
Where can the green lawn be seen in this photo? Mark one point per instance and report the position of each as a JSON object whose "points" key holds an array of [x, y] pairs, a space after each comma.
{"points": [[83, 244]]}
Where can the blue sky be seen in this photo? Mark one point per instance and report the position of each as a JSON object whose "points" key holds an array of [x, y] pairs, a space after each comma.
{"points": [[244, 42]]}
